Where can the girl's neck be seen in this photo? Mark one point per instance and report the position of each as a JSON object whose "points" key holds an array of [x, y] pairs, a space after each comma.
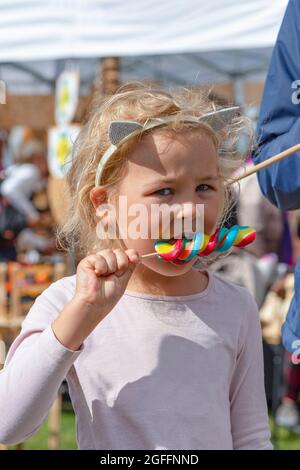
{"points": [[147, 281]]}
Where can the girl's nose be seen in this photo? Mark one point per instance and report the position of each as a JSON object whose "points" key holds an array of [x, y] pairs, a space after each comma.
{"points": [[192, 216]]}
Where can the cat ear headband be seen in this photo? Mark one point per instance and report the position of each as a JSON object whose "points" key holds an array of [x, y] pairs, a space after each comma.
{"points": [[121, 131]]}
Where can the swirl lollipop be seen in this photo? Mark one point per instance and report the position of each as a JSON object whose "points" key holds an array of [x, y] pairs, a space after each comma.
{"points": [[183, 250]]}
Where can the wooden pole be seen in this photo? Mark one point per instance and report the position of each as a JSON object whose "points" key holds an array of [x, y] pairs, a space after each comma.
{"points": [[107, 78], [265, 164]]}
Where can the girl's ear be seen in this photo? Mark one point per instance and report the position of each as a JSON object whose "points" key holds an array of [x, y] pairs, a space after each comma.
{"points": [[98, 195]]}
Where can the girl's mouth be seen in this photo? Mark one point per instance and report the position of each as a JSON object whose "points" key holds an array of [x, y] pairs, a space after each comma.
{"points": [[173, 240], [170, 241]]}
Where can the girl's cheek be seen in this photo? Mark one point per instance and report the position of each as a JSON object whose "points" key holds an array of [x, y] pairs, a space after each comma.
{"points": [[141, 245], [212, 212]]}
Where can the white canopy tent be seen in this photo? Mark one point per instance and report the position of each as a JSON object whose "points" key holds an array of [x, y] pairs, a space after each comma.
{"points": [[173, 41]]}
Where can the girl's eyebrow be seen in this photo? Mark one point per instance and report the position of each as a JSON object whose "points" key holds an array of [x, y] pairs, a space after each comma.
{"points": [[209, 177], [161, 181], [202, 177]]}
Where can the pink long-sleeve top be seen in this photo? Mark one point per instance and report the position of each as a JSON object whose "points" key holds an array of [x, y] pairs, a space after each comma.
{"points": [[159, 372]]}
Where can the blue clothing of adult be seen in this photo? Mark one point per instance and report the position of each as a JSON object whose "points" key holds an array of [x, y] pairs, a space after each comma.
{"points": [[279, 128]]}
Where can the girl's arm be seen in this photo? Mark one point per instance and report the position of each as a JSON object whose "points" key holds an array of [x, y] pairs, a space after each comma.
{"points": [[249, 415], [52, 338], [35, 367]]}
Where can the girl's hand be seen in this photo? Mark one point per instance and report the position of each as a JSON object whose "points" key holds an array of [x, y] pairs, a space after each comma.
{"points": [[101, 278]]}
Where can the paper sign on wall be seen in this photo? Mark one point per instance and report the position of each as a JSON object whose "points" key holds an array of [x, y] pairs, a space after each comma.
{"points": [[60, 142], [66, 96]]}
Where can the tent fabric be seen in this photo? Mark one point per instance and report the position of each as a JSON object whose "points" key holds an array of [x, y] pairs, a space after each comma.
{"points": [[55, 29], [169, 70]]}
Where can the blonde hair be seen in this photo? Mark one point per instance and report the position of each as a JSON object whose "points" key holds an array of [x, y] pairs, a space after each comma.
{"points": [[138, 102]]}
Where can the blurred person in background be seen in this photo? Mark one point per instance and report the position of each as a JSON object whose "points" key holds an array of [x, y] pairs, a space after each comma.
{"points": [[25, 177], [20, 180], [3, 139]]}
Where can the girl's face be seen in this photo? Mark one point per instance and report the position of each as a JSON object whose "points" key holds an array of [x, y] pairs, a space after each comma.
{"points": [[171, 169]]}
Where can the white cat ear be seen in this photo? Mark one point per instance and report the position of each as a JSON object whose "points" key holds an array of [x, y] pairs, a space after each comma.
{"points": [[219, 119], [119, 129]]}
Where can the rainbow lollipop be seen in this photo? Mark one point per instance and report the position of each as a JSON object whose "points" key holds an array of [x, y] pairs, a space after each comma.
{"points": [[183, 250]]}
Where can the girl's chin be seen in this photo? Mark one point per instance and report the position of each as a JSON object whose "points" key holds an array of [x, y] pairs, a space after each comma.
{"points": [[167, 268]]}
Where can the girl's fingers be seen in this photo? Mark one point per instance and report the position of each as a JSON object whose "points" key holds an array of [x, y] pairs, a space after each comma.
{"points": [[133, 255], [110, 259], [122, 261], [100, 266], [119, 261], [97, 264]]}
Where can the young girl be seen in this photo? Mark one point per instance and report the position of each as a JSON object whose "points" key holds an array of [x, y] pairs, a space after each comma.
{"points": [[157, 355]]}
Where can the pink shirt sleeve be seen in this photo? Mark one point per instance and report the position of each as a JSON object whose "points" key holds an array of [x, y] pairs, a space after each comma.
{"points": [[35, 367], [249, 419]]}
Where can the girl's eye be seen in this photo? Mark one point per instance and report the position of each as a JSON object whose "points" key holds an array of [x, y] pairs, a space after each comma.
{"points": [[164, 192], [168, 191], [203, 187]]}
